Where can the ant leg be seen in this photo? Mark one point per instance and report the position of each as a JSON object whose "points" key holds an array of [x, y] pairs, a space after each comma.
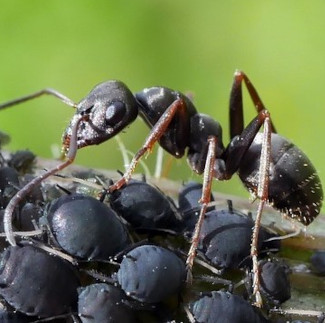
{"points": [[20, 195], [205, 199], [241, 143], [236, 150], [236, 117], [32, 96], [262, 194], [155, 134]]}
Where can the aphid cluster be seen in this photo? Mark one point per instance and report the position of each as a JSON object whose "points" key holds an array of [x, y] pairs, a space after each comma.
{"points": [[82, 235], [93, 262]]}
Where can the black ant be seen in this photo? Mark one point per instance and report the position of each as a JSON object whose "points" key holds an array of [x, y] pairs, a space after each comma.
{"points": [[272, 168]]}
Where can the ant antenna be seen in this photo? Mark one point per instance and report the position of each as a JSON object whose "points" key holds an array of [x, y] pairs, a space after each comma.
{"points": [[53, 92]]}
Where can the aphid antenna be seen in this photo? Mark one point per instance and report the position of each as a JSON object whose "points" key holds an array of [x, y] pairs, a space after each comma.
{"points": [[100, 276], [24, 234], [217, 280], [86, 182], [53, 251], [58, 317], [208, 266], [309, 313], [286, 236]]}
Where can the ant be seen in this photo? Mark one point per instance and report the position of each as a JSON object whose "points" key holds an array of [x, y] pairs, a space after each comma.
{"points": [[271, 168]]}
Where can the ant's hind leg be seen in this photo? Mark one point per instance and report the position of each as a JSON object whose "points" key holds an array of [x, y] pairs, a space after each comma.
{"points": [[262, 194], [236, 114]]}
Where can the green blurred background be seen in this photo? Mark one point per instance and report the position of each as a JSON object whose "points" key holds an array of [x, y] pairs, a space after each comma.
{"points": [[187, 45]]}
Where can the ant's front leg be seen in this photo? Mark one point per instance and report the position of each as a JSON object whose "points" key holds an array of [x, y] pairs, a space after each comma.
{"points": [[155, 134]]}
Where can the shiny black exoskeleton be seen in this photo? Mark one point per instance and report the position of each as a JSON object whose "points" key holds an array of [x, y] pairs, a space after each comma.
{"points": [[103, 303], [189, 206], [318, 261], [219, 306], [294, 186], [37, 283], [272, 168], [86, 228], [145, 207], [150, 273], [225, 238], [275, 282]]}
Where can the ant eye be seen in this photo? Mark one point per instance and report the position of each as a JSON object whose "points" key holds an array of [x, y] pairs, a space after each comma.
{"points": [[115, 113]]}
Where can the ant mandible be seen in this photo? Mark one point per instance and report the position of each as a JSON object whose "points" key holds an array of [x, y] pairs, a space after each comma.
{"points": [[272, 168]]}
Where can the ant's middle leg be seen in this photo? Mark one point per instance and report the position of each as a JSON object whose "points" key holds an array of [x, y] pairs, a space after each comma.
{"points": [[204, 201]]}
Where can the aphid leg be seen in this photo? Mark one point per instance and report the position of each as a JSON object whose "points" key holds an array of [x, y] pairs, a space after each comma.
{"points": [[262, 194], [155, 134], [189, 315], [20, 195], [35, 95], [205, 200]]}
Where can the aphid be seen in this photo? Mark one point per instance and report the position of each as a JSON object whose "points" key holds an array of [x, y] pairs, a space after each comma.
{"points": [[28, 217], [9, 183], [9, 316], [150, 273], [275, 283], [22, 161], [103, 303], [271, 167], [189, 206], [219, 306], [318, 261], [145, 207], [86, 228], [225, 238], [37, 283]]}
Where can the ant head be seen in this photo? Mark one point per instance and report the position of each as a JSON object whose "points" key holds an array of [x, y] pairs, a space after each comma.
{"points": [[107, 109]]}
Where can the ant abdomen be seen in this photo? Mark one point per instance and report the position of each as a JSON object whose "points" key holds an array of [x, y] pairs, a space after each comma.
{"points": [[294, 185]]}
